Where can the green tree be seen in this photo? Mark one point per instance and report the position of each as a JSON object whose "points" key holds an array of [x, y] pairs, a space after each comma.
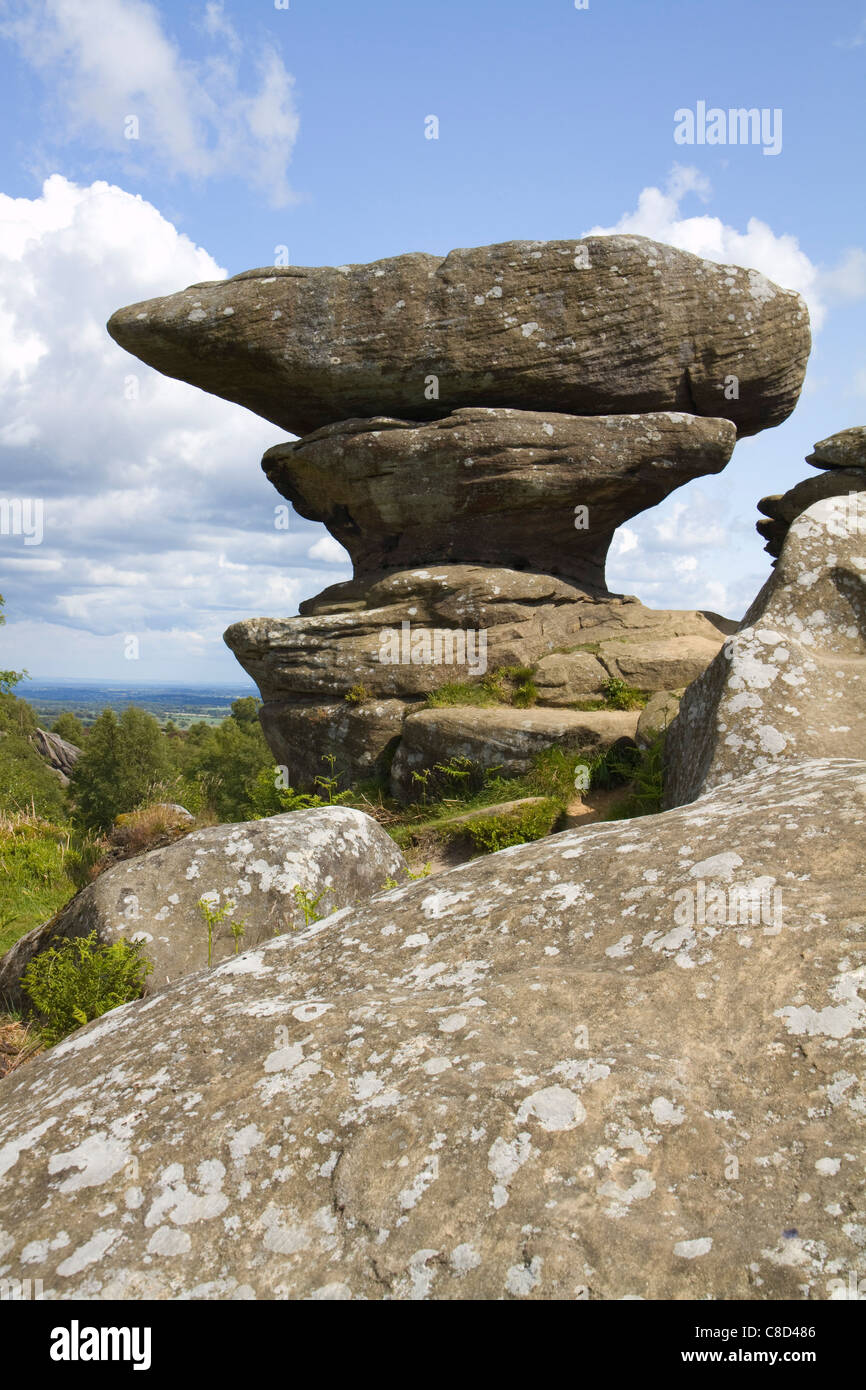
{"points": [[67, 725], [246, 710], [121, 766], [8, 679]]}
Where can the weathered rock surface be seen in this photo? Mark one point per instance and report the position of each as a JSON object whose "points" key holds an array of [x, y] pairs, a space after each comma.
{"points": [[360, 737], [792, 682], [657, 715], [843, 456], [846, 449], [306, 666], [59, 753], [336, 852], [337, 644], [591, 327], [524, 489], [498, 737], [531, 1078]]}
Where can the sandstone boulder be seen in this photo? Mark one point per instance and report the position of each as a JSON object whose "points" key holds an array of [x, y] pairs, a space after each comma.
{"points": [[305, 667], [517, 488], [656, 717], [59, 753], [591, 327], [792, 682], [336, 855], [783, 508], [498, 737], [544, 1075], [847, 449]]}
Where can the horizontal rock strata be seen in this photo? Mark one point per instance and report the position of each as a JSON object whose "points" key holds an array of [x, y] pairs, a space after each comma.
{"points": [[547, 491], [590, 327]]}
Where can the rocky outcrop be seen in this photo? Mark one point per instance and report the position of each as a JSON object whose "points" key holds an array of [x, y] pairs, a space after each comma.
{"points": [[591, 327], [605, 1065], [546, 491], [843, 457], [60, 755], [266, 869], [792, 682], [504, 739], [475, 430], [482, 619]]}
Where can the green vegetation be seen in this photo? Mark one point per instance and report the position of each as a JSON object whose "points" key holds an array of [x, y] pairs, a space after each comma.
{"points": [[42, 864], [357, 695], [213, 915], [79, 980], [516, 826], [70, 727], [507, 685], [308, 904]]}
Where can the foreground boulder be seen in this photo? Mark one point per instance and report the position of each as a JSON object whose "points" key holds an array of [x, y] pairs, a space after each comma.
{"points": [[792, 682], [617, 1063], [268, 869], [591, 327]]}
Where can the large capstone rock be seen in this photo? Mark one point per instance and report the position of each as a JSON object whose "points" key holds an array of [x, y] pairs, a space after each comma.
{"points": [[591, 327], [525, 489], [792, 682], [267, 869], [623, 1062]]}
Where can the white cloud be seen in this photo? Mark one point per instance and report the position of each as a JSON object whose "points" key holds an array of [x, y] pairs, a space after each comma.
{"points": [[158, 520], [328, 550], [777, 256], [107, 60], [856, 41], [847, 280]]}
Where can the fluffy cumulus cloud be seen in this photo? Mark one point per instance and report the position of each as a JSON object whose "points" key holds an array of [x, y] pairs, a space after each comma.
{"points": [[777, 255], [157, 520], [116, 78], [699, 549]]}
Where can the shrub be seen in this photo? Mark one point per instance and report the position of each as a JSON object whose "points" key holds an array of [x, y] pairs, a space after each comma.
{"points": [[81, 979], [27, 783], [357, 695], [67, 725], [618, 695], [121, 765], [491, 833], [136, 831]]}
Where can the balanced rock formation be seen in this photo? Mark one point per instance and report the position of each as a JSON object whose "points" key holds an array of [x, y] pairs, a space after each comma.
{"points": [[481, 485], [614, 1063], [590, 327], [367, 638], [843, 459], [792, 682], [259, 874], [476, 428]]}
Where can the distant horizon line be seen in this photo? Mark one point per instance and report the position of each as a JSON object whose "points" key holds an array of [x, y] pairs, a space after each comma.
{"points": [[138, 685]]}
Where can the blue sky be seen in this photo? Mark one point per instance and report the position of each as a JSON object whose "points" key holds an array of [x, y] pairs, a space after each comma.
{"points": [[304, 127]]}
